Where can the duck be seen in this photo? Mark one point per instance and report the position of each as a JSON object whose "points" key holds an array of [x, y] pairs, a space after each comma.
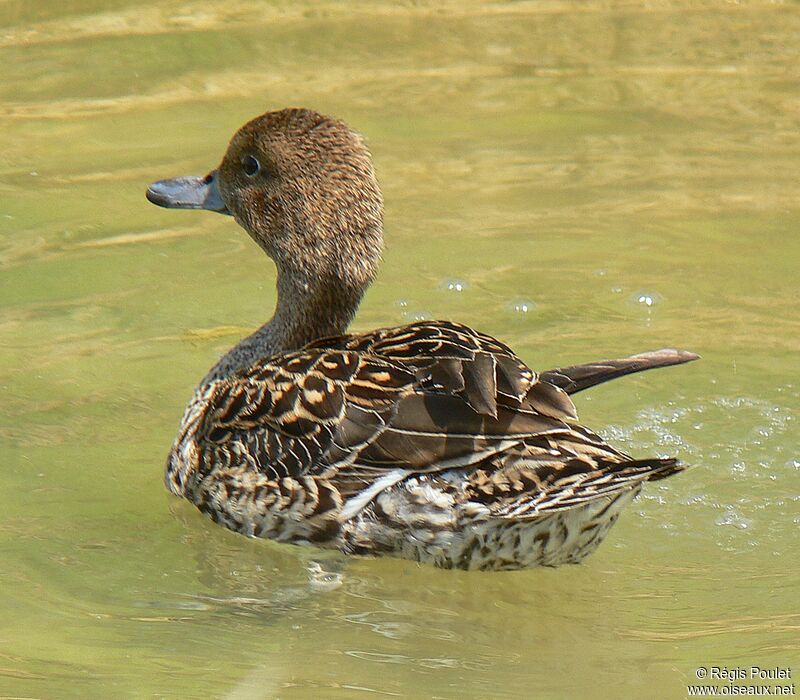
{"points": [[430, 441]]}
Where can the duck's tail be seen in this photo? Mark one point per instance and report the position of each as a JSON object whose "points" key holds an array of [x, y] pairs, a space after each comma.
{"points": [[579, 377]]}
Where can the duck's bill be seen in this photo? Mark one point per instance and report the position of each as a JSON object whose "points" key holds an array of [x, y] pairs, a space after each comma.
{"points": [[188, 193]]}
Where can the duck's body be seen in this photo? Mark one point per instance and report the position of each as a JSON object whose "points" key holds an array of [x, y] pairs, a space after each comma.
{"points": [[430, 441]]}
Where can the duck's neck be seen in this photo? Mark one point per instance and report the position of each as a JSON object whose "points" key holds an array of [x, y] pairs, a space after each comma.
{"points": [[308, 308]]}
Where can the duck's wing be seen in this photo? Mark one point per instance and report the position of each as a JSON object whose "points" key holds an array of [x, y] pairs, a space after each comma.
{"points": [[363, 410], [449, 357]]}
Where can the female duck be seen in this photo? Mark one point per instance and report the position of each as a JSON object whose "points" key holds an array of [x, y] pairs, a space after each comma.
{"points": [[431, 441]]}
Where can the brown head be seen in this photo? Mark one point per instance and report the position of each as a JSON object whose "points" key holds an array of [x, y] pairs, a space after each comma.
{"points": [[302, 185]]}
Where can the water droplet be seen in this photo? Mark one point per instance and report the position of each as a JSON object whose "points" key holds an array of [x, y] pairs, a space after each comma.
{"points": [[454, 285], [522, 306], [646, 299], [733, 517], [417, 315]]}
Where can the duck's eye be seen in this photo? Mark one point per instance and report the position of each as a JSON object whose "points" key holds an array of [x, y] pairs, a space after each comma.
{"points": [[251, 166]]}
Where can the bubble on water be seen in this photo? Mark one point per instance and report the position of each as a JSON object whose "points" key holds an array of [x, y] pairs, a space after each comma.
{"points": [[522, 306], [694, 499], [454, 285], [616, 290], [417, 315], [600, 273], [646, 299], [733, 517], [402, 303]]}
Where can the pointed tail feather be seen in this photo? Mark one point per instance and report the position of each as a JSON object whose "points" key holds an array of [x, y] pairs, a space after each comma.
{"points": [[662, 468], [579, 377]]}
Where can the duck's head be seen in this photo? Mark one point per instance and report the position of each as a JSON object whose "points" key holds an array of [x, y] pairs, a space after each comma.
{"points": [[302, 185]]}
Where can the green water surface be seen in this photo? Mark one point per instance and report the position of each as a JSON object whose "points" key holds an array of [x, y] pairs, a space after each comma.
{"points": [[582, 180]]}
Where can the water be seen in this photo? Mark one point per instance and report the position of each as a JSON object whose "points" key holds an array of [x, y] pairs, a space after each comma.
{"points": [[546, 167]]}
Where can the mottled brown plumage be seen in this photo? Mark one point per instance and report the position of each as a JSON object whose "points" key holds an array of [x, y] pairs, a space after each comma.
{"points": [[430, 441]]}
